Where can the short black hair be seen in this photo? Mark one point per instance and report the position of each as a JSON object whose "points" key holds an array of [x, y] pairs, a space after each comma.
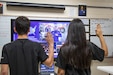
{"points": [[22, 25]]}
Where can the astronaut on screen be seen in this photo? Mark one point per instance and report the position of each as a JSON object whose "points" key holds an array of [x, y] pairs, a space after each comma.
{"points": [[56, 34]]}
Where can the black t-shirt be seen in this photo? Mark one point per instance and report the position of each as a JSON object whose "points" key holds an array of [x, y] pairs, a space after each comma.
{"points": [[23, 56], [97, 54]]}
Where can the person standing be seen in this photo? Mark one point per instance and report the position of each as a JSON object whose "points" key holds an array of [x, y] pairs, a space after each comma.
{"points": [[21, 57], [76, 54]]}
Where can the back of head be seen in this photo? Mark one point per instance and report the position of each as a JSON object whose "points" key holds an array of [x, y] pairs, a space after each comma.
{"points": [[22, 25], [75, 50], [76, 32]]}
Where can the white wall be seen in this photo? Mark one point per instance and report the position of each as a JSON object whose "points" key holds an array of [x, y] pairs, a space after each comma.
{"points": [[70, 12], [70, 2]]}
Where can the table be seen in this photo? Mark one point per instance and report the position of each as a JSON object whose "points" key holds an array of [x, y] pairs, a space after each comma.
{"points": [[108, 69]]}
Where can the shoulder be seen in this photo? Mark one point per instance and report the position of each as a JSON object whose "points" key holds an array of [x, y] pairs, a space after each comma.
{"points": [[94, 45], [90, 44], [7, 45]]}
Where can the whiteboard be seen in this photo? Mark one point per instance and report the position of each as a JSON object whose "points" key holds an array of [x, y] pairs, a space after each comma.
{"points": [[85, 21], [109, 42], [86, 28], [87, 36], [106, 25], [5, 31]]}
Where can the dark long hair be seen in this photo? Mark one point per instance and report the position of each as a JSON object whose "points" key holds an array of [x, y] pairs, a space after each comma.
{"points": [[75, 49]]}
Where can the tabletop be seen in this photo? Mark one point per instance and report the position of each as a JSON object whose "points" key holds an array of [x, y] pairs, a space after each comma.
{"points": [[108, 69]]}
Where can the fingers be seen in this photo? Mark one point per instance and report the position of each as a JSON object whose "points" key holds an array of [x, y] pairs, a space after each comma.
{"points": [[48, 34], [98, 30], [98, 26], [49, 37]]}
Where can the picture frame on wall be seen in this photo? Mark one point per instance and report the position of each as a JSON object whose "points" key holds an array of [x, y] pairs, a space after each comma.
{"points": [[1, 8], [82, 10]]}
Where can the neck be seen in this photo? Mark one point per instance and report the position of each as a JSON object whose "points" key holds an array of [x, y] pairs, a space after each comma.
{"points": [[22, 36]]}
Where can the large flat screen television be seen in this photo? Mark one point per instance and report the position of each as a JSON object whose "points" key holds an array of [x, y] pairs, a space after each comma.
{"points": [[38, 30]]}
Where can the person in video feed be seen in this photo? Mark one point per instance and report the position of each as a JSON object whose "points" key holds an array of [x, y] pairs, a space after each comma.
{"points": [[56, 34]]}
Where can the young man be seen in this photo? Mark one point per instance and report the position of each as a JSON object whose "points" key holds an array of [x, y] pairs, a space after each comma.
{"points": [[22, 56]]}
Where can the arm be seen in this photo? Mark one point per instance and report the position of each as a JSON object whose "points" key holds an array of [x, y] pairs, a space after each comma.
{"points": [[49, 61], [4, 69], [102, 40], [61, 71]]}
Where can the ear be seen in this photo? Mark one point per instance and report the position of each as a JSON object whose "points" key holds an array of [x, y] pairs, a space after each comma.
{"points": [[29, 30], [15, 30]]}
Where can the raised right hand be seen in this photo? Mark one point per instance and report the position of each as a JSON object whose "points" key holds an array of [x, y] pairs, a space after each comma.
{"points": [[98, 30], [49, 38]]}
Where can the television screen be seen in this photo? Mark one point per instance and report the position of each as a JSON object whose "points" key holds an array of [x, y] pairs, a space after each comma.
{"points": [[45, 70], [38, 30]]}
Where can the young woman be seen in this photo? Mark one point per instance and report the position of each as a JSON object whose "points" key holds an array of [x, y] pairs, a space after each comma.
{"points": [[76, 54]]}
